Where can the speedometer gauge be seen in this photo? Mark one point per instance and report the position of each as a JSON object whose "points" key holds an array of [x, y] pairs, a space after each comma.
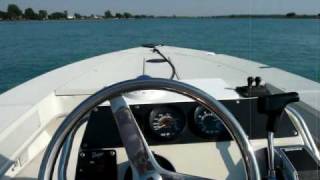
{"points": [[166, 123], [207, 123]]}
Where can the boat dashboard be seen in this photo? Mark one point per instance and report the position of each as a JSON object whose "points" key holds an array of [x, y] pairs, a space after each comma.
{"points": [[181, 123], [184, 136]]}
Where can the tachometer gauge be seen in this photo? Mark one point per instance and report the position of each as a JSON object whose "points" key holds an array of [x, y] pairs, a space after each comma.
{"points": [[166, 123], [207, 123]]}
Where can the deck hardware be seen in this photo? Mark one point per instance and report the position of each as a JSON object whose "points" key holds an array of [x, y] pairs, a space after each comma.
{"points": [[250, 81], [257, 80], [254, 88], [165, 59]]}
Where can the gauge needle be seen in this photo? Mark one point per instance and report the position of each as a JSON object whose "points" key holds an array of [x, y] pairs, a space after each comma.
{"points": [[165, 122], [162, 126]]}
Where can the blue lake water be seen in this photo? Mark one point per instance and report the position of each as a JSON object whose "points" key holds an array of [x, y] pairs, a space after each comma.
{"points": [[28, 49]]}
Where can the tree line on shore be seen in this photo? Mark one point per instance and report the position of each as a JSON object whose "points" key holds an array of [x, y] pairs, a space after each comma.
{"points": [[15, 13]]}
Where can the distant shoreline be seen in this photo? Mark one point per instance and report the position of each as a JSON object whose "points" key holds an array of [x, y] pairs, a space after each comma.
{"points": [[14, 13], [184, 17], [288, 16]]}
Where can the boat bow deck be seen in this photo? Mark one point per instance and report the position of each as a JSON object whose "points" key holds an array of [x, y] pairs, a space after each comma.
{"points": [[40, 100]]}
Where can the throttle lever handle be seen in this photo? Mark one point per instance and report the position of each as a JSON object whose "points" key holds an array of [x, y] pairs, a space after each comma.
{"points": [[273, 106]]}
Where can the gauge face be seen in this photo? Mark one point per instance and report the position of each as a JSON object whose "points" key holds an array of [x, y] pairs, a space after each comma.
{"points": [[166, 123], [207, 123]]}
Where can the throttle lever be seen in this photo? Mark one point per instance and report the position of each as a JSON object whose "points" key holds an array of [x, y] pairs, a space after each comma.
{"points": [[273, 106]]}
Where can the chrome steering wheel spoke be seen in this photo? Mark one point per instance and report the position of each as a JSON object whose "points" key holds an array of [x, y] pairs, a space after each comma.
{"points": [[137, 149]]}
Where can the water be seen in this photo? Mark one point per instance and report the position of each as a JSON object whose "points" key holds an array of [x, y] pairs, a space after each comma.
{"points": [[28, 49]]}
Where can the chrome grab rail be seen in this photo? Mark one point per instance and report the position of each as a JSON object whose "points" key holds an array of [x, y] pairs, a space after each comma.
{"points": [[303, 129]]}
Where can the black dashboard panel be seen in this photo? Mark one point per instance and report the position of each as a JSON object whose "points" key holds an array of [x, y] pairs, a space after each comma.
{"points": [[102, 132]]}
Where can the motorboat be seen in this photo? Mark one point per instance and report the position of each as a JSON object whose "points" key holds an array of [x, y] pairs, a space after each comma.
{"points": [[161, 112]]}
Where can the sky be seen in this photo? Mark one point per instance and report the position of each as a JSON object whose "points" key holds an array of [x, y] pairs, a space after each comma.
{"points": [[172, 7]]}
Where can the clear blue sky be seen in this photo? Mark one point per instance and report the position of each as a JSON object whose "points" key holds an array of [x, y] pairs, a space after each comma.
{"points": [[170, 7]]}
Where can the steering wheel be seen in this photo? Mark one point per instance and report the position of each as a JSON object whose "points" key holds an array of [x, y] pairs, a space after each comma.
{"points": [[141, 158]]}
